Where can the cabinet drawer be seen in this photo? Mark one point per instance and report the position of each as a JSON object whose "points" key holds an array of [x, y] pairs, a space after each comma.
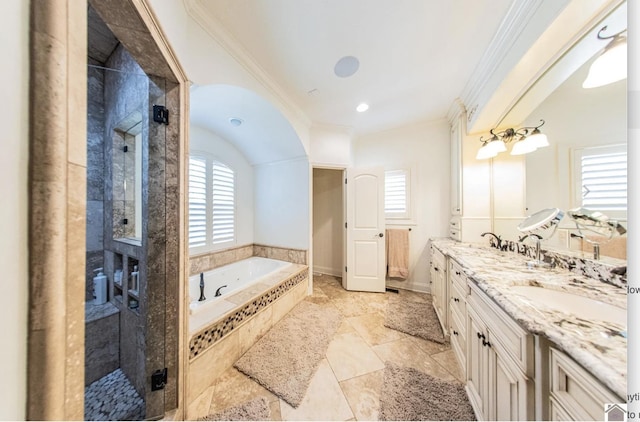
{"points": [[509, 337], [578, 392], [457, 276], [458, 302], [458, 332]]}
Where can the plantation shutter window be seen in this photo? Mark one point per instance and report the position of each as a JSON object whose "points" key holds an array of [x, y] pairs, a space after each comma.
{"points": [[223, 204], [197, 201], [601, 176], [212, 208], [396, 194]]}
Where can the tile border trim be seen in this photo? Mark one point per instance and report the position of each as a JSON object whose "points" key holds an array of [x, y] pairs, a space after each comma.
{"points": [[209, 336]]}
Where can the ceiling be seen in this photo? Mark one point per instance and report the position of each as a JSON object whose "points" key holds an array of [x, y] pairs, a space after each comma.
{"points": [[415, 56]]}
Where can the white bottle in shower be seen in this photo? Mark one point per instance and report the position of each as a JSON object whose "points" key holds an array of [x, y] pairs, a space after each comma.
{"points": [[134, 279], [99, 287]]}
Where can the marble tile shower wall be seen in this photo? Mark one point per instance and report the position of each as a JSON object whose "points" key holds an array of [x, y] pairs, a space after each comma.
{"points": [[126, 91], [599, 270], [95, 174], [211, 260]]}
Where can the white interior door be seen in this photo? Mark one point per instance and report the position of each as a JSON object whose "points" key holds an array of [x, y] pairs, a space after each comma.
{"points": [[365, 230]]}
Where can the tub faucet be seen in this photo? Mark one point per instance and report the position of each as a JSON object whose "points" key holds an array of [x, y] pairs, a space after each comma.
{"points": [[202, 288], [498, 239], [218, 291]]}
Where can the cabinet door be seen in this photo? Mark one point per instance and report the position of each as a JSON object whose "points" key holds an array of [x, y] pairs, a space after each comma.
{"points": [[440, 292], [477, 366], [456, 163], [508, 401]]}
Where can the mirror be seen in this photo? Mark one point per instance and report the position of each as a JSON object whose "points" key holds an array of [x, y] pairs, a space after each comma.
{"points": [[127, 179], [542, 221], [582, 125]]}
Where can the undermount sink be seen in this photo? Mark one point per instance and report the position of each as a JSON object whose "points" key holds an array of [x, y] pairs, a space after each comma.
{"points": [[580, 306]]}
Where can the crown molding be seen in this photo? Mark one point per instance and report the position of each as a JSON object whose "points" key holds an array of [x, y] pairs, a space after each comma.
{"points": [[214, 28], [520, 13], [456, 109]]}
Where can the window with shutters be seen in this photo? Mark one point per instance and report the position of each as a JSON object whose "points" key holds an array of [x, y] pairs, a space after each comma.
{"points": [[397, 198], [211, 204], [600, 175]]}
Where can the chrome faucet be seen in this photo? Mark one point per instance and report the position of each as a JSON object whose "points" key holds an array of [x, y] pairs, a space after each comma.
{"points": [[218, 291], [498, 239], [202, 288]]}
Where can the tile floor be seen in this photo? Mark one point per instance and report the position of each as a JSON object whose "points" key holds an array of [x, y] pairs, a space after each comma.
{"points": [[112, 398], [348, 381]]}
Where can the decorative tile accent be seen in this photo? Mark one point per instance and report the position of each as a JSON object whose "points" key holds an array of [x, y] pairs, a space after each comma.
{"points": [[210, 335]]}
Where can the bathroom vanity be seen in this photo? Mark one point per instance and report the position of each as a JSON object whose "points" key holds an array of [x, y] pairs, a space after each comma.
{"points": [[534, 343]]}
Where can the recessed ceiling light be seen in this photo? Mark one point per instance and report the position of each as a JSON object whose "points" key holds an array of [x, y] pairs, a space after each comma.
{"points": [[362, 107], [235, 121], [346, 66]]}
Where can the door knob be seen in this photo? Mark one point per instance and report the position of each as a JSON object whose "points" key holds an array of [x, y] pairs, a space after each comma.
{"points": [[381, 234]]}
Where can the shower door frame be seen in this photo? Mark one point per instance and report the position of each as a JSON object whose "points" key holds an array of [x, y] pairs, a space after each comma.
{"points": [[57, 203]]}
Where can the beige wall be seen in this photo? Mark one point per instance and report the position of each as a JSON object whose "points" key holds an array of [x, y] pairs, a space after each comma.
{"points": [[424, 147], [328, 221], [14, 42]]}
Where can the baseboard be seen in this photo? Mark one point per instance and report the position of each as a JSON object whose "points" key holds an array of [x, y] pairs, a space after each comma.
{"points": [[326, 270]]}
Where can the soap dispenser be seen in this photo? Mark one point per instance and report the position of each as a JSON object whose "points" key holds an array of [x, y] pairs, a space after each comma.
{"points": [[99, 287]]}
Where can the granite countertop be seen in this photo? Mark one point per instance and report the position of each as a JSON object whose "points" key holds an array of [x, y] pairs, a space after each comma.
{"points": [[599, 346]]}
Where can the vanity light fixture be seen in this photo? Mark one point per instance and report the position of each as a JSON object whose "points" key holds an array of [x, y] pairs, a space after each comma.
{"points": [[526, 139], [611, 64]]}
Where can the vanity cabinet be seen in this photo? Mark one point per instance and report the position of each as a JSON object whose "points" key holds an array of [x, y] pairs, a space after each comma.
{"points": [[458, 291], [575, 394], [457, 130], [439, 288], [499, 362]]}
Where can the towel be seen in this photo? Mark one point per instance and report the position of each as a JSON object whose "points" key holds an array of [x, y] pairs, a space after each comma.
{"points": [[397, 253]]}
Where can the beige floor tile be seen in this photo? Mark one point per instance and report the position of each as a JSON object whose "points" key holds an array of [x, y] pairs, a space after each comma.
{"points": [[324, 400], [449, 361], [200, 406], [371, 328], [430, 347], [415, 296], [354, 305], [234, 388], [363, 395], [350, 356], [405, 352], [345, 327], [274, 406]]}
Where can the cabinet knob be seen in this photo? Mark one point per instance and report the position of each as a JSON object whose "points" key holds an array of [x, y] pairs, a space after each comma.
{"points": [[481, 336], [457, 272], [486, 343], [455, 333], [455, 299]]}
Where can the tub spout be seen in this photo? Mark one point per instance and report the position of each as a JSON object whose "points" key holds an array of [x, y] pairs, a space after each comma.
{"points": [[218, 291], [202, 288]]}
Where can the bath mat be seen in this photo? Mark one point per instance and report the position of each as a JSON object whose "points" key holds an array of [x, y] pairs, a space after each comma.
{"points": [[285, 359], [411, 395], [254, 410], [415, 318]]}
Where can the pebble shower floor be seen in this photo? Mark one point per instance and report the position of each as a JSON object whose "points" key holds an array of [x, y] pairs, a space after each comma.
{"points": [[112, 398]]}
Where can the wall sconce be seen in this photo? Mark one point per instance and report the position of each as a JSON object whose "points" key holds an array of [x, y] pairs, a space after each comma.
{"points": [[526, 139], [611, 64]]}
